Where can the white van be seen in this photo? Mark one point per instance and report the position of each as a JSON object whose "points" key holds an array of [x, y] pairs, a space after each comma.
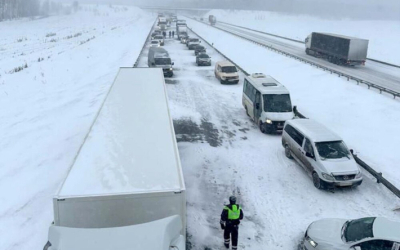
{"points": [[267, 102], [320, 152]]}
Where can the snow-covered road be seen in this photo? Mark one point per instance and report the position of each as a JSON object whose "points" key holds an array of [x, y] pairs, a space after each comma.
{"points": [[48, 107], [223, 152]]}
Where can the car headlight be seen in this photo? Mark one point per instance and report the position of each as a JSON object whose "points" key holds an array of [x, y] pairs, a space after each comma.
{"points": [[359, 175], [311, 241], [170, 68], [328, 176], [268, 121], [223, 77]]}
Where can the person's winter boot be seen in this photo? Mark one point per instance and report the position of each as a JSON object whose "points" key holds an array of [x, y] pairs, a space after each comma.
{"points": [[226, 243]]}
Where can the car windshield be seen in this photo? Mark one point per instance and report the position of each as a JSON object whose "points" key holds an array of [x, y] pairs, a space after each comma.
{"points": [[199, 47], [359, 229], [229, 69], [277, 103], [193, 40], [203, 56], [154, 42], [162, 61], [159, 37], [332, 150]]}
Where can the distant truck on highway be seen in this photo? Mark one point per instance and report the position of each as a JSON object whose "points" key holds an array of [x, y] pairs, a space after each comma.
{"points": [[338, 49], [125, 189], [162, 23], [159, 58], [212, 19], [181, 31]]}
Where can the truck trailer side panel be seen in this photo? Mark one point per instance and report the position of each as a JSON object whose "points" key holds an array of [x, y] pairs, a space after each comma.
{"points": [[330, 44], [118, 210], [128, 167]]}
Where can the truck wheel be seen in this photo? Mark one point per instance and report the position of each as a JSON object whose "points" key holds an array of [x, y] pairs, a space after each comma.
{"points": [[262, 128], [316, 180], [247, 112], [307, 51], [288, 153]]}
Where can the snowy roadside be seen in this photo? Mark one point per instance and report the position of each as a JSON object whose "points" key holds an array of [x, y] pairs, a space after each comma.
{"points": [[383, 35], [366, 120], [49, 106]]}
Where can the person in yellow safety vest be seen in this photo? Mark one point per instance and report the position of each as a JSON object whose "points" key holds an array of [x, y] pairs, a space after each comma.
{"points": [[230, 220]]}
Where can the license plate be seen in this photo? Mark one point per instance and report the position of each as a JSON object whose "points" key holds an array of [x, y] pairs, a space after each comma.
{"points": [[345, 184]]}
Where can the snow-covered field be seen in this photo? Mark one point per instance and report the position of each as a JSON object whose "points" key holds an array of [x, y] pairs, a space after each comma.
{"points": [[47, 107], [223, 152], [383, 35]]}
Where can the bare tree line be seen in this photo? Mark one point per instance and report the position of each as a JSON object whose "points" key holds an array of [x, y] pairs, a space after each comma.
{"points": [[11, 9]]}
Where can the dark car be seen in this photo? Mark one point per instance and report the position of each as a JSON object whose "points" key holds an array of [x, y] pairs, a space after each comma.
{"points": [[199, 49], [155, 33], [203, 59]]}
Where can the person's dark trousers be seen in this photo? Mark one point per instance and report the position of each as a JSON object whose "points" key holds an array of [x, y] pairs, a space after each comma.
{"points": [[231, 231]]}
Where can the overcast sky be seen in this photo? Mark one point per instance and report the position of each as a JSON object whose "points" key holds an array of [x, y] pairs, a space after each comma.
{"points": [[366, 9]]}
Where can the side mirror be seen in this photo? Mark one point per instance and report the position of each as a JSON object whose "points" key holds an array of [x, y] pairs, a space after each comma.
{"points": [[152, 64], [257, 105], [172, 63], [309, 155]]}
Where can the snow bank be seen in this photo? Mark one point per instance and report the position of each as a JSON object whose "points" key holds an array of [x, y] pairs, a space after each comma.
{"points": [[48, 106], [383, 36]]}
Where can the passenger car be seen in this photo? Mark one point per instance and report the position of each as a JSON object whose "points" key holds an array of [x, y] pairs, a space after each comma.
{"points": [[192, 43], [199, 49], [320, 152], [371, 233], [203, 59], [160, 38], [155, 43], [226, 72]]}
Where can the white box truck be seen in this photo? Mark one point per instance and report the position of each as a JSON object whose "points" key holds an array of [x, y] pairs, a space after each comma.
{"points": [[125, 189]]}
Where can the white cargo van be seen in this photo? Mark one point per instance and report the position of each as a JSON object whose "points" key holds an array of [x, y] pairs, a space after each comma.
{"points": [[267, 102], [125, 189]]}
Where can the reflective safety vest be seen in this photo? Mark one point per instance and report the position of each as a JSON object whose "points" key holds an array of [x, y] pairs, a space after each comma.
{"points": [[234, 213]]}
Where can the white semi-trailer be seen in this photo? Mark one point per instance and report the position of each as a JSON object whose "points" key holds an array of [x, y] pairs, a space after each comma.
{"points": [[125, 189], [337, 49]]}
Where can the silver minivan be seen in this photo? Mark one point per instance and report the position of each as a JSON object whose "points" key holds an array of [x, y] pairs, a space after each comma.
{"points": [[320, 152]]}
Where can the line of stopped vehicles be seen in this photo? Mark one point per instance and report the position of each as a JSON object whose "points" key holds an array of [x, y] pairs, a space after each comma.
{"points": [[89, 216]]}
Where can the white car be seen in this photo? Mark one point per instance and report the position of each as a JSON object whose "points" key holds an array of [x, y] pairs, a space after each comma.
{"points": [[322, 153], [371, 233], [155, 43]]}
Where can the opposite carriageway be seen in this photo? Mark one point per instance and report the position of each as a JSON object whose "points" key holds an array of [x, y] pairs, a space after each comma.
{"points": [[377, 75]]}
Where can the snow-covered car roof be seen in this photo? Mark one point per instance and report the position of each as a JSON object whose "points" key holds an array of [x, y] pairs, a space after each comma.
{"points": [[384, 228], [225, 63], [314, 130]]}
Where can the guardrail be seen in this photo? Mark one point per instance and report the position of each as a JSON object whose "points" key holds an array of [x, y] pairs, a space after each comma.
{"points": [[300, 41], [373, 172], [211, 45], [332, 71], [144, 45]]}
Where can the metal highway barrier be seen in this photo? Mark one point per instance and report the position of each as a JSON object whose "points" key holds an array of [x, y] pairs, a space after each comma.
{"points": [[340, 74], [144, 45], [299, 41], [378, 175]]}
